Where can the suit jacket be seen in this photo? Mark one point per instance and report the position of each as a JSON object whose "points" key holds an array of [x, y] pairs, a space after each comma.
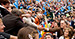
{"points": [[3, 11], [13, 24]]}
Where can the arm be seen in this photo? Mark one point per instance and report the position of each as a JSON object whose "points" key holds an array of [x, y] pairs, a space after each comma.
{"points": [[13, 37], [8, 36], [28, 21], [53, 29], [33, 24]]}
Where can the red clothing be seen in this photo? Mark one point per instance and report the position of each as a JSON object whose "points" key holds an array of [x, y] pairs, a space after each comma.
{"points": [[37, 21]]}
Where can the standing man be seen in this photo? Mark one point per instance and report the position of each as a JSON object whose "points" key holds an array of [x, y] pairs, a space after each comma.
{"points": [[13, 22]]}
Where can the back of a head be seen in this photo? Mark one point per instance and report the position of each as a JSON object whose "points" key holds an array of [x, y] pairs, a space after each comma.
{"points": [[25, 32], [16, 12]]}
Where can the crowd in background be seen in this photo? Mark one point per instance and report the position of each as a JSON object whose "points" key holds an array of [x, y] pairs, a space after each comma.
{"points": [[58, 17]]}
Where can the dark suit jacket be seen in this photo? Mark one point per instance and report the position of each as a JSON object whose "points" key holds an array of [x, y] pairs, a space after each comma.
{"points": [[72, 24], [13, 24], [4, 11]]}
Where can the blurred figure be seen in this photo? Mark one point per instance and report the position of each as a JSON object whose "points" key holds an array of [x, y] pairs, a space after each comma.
{"points": [[38, 18], [4, 6], [67, 34], [4, 35], [11, 19], [28, 33], [59, 29], [48, 36], [14, 22]]}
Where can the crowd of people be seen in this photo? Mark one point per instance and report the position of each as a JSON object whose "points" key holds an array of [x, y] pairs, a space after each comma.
{"points": [[31, 16]]}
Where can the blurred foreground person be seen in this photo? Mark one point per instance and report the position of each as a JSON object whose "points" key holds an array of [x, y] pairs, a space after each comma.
{"points": [[48, 36], [4, 35], [28, 33], [13, 22]]}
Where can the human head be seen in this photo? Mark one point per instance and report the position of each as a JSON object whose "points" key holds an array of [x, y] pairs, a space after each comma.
{"points": [[61, 23], [69, 19], [1, 26], [55, 24], [16, 12], [68, 32], [48, 36], [39, 16], [28, 33], [5, 3]]}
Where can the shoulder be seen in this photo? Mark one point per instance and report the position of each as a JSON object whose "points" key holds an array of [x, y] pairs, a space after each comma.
{"points": [[10, 17], [61, 37]]}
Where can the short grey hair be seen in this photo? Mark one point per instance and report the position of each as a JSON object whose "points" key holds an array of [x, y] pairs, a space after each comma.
{"points": [[16, 12]]}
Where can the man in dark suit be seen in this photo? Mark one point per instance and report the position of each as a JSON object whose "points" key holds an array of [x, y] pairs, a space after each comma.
{"points": [[4, 5], [13, 22]]}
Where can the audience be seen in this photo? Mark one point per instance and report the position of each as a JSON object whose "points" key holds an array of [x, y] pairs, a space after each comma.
{"points": [[67, 34], [32, 18]]}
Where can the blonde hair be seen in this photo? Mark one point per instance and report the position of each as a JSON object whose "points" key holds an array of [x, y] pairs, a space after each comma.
{"points": [[70, 32], [0, 20]]}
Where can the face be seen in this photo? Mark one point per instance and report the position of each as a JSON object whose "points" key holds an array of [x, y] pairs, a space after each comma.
{"points": [[69, 19], [2, 27], [48, 37], [55, 25], [62, 24], [66, 33]]}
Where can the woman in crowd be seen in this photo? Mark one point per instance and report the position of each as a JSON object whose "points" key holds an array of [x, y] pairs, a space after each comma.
{"points": [[67, 34]]}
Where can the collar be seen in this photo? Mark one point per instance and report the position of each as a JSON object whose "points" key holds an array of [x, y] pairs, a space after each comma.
{"points": [[2, 7]]}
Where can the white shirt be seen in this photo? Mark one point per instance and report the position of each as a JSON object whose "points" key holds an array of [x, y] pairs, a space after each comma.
{"points": [[28, 21]]}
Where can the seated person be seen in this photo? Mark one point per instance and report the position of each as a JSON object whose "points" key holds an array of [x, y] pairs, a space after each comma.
{"points": [[28, 33], [4, 35]]}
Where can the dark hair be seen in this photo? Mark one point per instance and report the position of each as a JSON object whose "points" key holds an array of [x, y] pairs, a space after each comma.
{"points": [[25, 31], [4, 2], [48, 34], [16, 12]]}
